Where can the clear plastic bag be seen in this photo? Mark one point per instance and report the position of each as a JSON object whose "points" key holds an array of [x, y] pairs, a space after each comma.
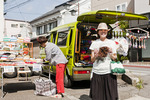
{"points": [[122, 46]]}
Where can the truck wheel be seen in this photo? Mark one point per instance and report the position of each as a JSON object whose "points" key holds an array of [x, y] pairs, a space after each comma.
{"points": [[67, 81], [11, 75]]}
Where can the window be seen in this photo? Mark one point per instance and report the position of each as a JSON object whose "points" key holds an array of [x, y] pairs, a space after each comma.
{"points": [[19, 35], [45, 29], [13, 35], [121, 7], [62, 38], [14, 25], [118, 8], [39, 30], [55, 24], [54, 37], [52, 25], [22, 25]]}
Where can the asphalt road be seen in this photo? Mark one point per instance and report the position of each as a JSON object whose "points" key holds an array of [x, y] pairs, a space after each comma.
{"points": [[24, 90]]}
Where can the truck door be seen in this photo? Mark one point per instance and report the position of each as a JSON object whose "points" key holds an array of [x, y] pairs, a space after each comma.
{"points": [[62, 41], [70, 52]]}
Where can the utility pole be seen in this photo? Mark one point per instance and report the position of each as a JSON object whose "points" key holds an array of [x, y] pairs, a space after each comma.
{"points": [[1, 19]]}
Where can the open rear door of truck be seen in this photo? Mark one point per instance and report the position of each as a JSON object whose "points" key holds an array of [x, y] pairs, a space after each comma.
{"points": [[108, 17]]}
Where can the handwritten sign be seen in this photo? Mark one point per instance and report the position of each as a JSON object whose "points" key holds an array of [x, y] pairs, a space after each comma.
{"points": [[9, 69], [37, 67]]}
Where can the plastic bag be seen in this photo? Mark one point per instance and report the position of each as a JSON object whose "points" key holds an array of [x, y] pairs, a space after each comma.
{"points": [[122, 46], [117, 67], [44, 87]]}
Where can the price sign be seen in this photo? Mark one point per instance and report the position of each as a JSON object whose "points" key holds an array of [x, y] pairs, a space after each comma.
{"points": [[9, 69], [37, 67]]}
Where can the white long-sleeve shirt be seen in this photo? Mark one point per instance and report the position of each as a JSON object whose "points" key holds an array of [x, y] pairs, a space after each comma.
{"points": [[54, 55]]}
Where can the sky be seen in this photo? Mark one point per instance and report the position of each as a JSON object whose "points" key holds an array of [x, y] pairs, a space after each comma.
{"points": [[30, 10]]}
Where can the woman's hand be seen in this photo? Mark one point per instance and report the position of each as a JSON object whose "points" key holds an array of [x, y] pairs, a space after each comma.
{"points": [[95, 53], [113, 56]]}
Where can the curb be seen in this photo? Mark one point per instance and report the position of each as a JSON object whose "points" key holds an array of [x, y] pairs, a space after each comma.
{"points": [[139, 66]]}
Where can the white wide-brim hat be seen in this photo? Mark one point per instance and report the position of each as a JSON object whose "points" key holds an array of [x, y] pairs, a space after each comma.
{"points": [[102, 26]]}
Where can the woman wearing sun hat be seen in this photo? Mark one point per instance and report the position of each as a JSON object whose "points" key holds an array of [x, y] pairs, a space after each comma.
{"points": [[103, 83]]}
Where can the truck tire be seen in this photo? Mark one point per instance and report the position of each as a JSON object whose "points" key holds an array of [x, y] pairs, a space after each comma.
{"points": [[11, 75], [67, 81]]}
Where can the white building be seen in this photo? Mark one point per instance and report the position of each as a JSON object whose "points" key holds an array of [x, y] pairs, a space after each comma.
{"points": [[1, 19], [17, 27], [141, 7], [118, 5], [60, 15]]}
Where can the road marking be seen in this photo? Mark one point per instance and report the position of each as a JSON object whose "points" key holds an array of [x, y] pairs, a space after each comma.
{"points": [[137, 72], [139, 66]]}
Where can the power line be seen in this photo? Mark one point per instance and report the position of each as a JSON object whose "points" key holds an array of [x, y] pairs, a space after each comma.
{"points": [[27, 13], [20, 11], [23, 3], [9, 3]]}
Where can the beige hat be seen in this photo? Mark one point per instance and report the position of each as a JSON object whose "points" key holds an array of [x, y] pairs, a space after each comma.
{"points": [[102, 26]]}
